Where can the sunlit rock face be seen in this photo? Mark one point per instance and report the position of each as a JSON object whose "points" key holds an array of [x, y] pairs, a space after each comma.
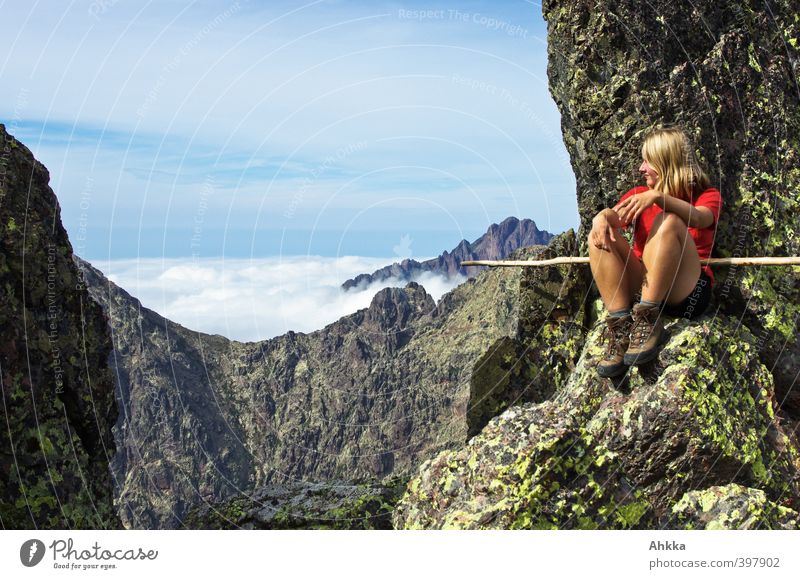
{"points": [[639, 455]]}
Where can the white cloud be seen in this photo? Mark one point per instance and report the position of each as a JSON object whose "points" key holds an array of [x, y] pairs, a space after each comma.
{"points": [[256, 299]]}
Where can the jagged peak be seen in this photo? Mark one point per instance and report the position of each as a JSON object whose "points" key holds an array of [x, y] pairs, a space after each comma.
{"points": [[395, 307], [412, 292], [495, 243], [511, 220]]}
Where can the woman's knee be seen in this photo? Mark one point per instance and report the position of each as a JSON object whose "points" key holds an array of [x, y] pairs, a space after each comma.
{"points": [[669, 220], [665, 223]]}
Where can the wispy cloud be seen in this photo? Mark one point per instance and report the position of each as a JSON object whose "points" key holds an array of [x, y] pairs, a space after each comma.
{"points": [[250, 300]]}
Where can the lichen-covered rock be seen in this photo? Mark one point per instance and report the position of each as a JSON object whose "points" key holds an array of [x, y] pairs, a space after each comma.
{"points": [[57, 390], [726, 71], [600, 456], [556, 293], [342, 505], [733, 507]]}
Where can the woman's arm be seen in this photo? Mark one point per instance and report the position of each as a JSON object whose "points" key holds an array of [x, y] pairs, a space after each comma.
{"points": [[698, 217]]}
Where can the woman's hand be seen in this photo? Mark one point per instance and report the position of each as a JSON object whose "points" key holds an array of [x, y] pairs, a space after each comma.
{"points": [[602, 233], [634, 206]]}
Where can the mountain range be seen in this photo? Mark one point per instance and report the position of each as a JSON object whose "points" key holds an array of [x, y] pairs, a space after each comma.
{"points": [[203, 418], [497, 243]]}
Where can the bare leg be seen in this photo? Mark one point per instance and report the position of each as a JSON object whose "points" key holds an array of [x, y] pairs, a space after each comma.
{"points": [[618, 273], [671, 262]]}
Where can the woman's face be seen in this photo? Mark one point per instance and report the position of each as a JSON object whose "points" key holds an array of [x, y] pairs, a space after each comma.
{"points": [[649, 174]]}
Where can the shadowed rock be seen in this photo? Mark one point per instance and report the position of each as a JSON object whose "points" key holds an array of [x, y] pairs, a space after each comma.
{"points": [[531, 365], [58, 393]]}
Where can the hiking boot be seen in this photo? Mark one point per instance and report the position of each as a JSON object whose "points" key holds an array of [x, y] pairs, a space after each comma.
{"points": [[647, 335], [615, 334]]}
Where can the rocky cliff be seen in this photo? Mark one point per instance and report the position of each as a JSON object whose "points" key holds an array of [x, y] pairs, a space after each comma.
{"points": [[497, 243], [57, 390], [702, 437], [727, 72]]}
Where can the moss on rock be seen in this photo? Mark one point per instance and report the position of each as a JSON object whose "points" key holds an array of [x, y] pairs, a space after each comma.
{"points": [[733, 506], [58, 392], [340, 505], [596, 457]]}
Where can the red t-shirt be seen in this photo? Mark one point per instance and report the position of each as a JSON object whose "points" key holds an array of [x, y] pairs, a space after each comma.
{"points": [[703, 238]]}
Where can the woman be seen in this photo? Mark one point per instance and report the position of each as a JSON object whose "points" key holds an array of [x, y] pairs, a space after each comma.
{"points": [[675, 218]]}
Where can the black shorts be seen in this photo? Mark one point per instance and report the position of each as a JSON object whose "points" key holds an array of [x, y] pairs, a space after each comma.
{"points": [[695, 303]]}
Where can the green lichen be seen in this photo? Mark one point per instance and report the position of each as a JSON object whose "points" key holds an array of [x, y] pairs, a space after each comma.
{"points": [[733, 506], [566, 463], [730, 415]]}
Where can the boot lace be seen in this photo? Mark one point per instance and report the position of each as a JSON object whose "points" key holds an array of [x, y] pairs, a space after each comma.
{"points": [[642, 327], [611, 336]]}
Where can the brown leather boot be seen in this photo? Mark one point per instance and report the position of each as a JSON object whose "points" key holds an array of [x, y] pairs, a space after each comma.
{"points": [[647, 335], [615, 335]]}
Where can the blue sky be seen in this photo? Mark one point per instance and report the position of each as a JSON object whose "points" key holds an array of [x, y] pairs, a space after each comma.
{"points": [[256, 129]]}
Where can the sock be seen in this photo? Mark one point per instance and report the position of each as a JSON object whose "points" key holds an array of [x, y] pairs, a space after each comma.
{"points": [[651, 304], [620, 313]]}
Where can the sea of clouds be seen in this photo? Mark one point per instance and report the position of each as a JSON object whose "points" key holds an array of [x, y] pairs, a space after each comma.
{"points": [[256, 299]]}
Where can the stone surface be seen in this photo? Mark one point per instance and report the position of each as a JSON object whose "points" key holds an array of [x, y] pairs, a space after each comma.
{"points": [[733, 507], [57, 390], [606, 455], [337, 505], [531, 365]]}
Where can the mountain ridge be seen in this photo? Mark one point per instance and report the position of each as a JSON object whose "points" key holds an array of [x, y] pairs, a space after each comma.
{"points": [[498, 242]]}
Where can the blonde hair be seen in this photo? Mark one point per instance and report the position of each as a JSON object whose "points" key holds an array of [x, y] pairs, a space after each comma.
{"points": [[669, 151]]}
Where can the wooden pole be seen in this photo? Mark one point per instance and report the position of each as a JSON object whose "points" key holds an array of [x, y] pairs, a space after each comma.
{"points": [[585, 260]]}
